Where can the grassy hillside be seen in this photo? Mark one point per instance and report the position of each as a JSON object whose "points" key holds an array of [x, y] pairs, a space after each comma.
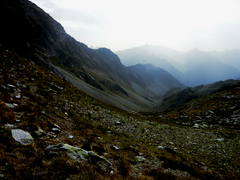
{"points": [[139, 147]]}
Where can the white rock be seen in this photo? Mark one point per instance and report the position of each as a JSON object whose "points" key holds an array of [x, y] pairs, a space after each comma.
{"points": [[140, 158], [196, 125], [24, 138], [9, 126], [9, 105]]}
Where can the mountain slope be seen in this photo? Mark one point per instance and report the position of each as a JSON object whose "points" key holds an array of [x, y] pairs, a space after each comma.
{"points": [[175, 100], [156, 79], [203, 68], [37, 36], [231, 58]]}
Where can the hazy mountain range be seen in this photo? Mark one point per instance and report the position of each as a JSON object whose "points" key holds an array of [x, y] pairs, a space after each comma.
{"points": [[34, 34], [191, 68]]}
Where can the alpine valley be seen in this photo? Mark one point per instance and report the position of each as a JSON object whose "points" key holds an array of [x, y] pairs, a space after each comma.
{"points": [[71, 112]]}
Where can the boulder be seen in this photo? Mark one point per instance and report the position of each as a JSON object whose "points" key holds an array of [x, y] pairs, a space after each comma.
{"points": [[81, 154], [22, 137]]}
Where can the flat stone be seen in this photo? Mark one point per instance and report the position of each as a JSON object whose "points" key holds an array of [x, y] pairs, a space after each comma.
{"points": [[115, 147], [12, 86], [22, 137], [10, 105], [56, 126]]}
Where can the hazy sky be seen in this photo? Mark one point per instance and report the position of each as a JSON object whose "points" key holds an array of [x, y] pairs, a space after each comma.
{"points": [[120, 24]]}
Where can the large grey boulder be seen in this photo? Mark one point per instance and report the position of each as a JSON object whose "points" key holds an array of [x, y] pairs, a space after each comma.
{"points": [[22, 137], [81, 154]]}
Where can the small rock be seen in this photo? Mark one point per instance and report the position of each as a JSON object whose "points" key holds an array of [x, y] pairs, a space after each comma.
{"points": [[17, 121], [118, 123], [160, 147], [70, 136], [9, 105], [51, 135], [140, 159], [211, 112], [219, 139], [56, 126], [115, 148], [56, 130], [9, 126], [12, 86], [196, 125]]}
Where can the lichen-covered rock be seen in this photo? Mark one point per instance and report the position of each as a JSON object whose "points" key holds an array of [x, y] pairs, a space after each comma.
{"points": [[22, 137], [81, 154], [39, 133]]}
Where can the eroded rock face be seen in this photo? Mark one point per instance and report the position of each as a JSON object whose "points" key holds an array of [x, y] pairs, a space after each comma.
{"points": [[22, 137], [81, 154]]}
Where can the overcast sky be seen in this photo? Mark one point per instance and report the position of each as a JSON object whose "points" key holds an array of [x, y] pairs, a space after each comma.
{"points": [[179, 24]]}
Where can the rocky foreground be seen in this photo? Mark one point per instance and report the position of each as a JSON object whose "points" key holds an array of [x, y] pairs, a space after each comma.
{"points": [[51, 130]]}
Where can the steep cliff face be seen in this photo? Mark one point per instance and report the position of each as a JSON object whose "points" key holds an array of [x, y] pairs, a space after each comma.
{"points": [[34, 34]]}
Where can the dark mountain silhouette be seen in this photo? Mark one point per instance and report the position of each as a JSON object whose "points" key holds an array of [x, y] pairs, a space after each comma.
{"points": [[175, 100], [34, 34]]}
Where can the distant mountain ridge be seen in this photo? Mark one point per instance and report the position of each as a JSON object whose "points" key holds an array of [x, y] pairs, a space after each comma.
{"points": [[157, 79], [34, 34], [191, 68]]}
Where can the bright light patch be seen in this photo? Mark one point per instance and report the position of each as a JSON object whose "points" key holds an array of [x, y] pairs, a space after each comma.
{"points": [[172, 23]]}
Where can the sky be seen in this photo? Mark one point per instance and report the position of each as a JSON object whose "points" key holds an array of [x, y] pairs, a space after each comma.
{"points": [[121, 24]]}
